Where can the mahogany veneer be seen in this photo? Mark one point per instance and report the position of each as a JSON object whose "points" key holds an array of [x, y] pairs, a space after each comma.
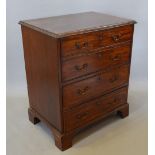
{"points": [[77, 69]]}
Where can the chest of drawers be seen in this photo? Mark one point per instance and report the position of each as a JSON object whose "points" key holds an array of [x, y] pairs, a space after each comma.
{"points": [[77, 69]]}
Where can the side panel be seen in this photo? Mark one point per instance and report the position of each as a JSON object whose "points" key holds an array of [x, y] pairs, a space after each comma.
{"points": [[41, 54]]}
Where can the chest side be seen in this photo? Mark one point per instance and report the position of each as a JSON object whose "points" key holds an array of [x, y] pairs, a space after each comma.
{"points": [[42, 64]]}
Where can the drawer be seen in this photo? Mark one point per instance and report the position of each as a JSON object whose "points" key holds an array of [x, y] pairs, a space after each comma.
{"points": [[87, 64], [87, 112], [81, 91], [84, 43]]}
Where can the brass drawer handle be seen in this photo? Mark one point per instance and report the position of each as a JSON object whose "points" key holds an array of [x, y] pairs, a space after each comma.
{"points": [[81, 45], [100, 78], [83, 91], [81, 116], [79, 68], [114, 78], [77, 45], [116, 38], [99, 55], [116, 58], [85, 44]]}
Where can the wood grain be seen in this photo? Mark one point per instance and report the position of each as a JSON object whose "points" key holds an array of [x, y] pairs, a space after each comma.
{"points": [[73, 24], [81, 115], [84, 43], [95, 61], [42, 66], [77, 69], [84, 90]]}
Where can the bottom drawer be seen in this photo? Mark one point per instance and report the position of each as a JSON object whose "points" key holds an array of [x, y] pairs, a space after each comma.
{"points": [[85, 113]]}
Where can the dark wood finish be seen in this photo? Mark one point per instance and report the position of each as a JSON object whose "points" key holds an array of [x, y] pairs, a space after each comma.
{"points": [[101, 59], [63, 141], [42, 70], [73, 24], [81, 91], [77, 69], [84, 43], [81, 115]]}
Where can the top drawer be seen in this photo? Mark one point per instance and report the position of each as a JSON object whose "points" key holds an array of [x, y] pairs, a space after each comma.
{"points": [[90, 41]]}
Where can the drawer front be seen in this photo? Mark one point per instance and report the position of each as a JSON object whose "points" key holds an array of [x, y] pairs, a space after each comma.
{"points": [[81, 91], [84, 43], [84, 114], [96, 61]]}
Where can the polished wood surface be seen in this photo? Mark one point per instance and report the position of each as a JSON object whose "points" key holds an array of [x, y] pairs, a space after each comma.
{"points": [[87, 42], [77, 69], [66, 25], [98, 60], [82, 115], [42, 70], [83, 90]]}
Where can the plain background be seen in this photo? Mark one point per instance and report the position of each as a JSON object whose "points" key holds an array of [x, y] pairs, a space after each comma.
{"points": [[112, 137], [20, 9]]}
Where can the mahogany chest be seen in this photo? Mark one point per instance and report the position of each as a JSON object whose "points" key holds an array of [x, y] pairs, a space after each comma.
{"points": [[77, 69]]}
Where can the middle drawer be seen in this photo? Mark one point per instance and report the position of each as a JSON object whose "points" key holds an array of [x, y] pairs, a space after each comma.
{"points": [[81, 91], [87, 64]]}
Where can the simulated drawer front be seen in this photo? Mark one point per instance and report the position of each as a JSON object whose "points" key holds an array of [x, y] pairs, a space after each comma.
{"points": [[89, 41], [84, 114], [81, 91], [87, 64]]}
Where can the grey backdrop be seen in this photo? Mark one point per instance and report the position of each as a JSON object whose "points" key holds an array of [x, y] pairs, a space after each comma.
{"points": [[26, 9]]}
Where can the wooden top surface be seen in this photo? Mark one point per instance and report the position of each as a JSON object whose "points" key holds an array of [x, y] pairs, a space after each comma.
{"points": [[65, 25]]}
